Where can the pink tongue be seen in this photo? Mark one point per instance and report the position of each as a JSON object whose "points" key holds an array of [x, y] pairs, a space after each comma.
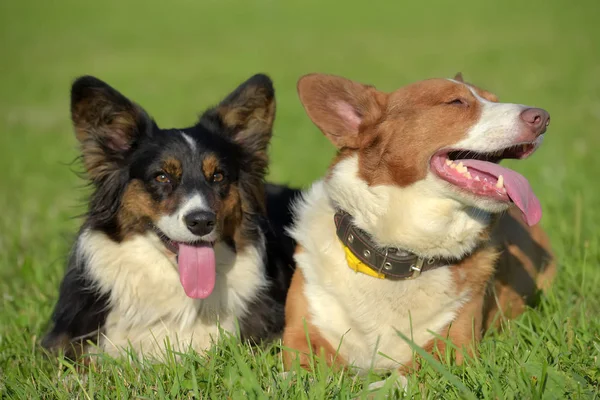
{"points": [[516, 186], [197, 270]]}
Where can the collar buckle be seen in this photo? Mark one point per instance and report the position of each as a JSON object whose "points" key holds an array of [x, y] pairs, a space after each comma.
{"points": [[385, 264], [416, 268]]}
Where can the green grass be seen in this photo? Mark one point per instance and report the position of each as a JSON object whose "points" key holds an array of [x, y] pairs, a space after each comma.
{"points": [[178, 57]]}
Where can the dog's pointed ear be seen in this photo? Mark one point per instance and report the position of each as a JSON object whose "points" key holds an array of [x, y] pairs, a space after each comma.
{"points": [[458, 77], [247, 114], [339, 107], [106, 124]]}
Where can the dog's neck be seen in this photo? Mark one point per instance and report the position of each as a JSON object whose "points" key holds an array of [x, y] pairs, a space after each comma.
{"points": [[417, 218]]}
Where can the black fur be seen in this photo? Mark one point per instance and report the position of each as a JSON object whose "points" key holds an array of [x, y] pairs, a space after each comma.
{"points": [[266, 315], [80, 312], [121, 143]]}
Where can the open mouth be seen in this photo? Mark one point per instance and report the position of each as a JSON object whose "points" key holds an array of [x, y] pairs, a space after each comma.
{"points": [[174, 246], [197, 265], [480, 174]]}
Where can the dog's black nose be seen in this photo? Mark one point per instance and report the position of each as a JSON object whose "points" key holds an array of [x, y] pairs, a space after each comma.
{"points": [[200, 222]]}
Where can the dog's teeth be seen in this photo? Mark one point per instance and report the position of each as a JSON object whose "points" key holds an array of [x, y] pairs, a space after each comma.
{"points": [[477, 178], [500, 183], [452, 165], [461, 168], [467, 175], [448, 162]]}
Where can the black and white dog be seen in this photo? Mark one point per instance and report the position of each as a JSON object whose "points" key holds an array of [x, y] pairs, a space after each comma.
{"points": [[182, 234]]}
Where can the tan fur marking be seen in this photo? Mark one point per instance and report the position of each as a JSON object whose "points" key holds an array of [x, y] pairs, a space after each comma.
{"points": [[251, 106], [238, 116], [210, 164], [136, 204], [96, 117], [172, 166], [474, 272], [231, 213], [137, 207], [94, 160], [254, 119]]}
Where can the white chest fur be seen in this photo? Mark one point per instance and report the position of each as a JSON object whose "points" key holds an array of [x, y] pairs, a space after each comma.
{"points": [[362, 312], [148, 304]]}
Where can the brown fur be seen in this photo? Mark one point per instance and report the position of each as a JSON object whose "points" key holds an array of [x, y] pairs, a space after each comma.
{"points": [[395, 136], [105, 127], [253, 112], [299, 330], [138, 208], [172, 166], [231, 221], [210, 164]]}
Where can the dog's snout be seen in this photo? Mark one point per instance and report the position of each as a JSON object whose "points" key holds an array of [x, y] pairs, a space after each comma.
{"points": [[200, 222], [537, 119]]}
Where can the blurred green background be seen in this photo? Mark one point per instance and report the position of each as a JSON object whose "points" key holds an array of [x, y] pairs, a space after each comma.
{"points": [[176, 58]]}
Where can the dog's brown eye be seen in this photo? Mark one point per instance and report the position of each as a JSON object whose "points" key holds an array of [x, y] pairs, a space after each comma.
{"points": [[458, 102], [217, 177], [162, 178]]}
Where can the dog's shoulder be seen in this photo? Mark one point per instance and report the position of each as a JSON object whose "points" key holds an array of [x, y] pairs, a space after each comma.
{"points": [[81, 310]]}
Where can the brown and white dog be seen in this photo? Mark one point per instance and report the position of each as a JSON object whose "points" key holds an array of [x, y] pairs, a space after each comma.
{"points": [[409, 230]]}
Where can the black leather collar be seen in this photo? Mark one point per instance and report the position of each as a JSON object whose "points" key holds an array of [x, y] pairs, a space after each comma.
{"points": [[390, 262]]}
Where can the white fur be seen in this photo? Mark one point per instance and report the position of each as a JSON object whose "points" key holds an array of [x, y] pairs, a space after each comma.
{"points": [[498, 127], [190, 141], [148, 304], [359, 311], [174, 225], [423, 218]]}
